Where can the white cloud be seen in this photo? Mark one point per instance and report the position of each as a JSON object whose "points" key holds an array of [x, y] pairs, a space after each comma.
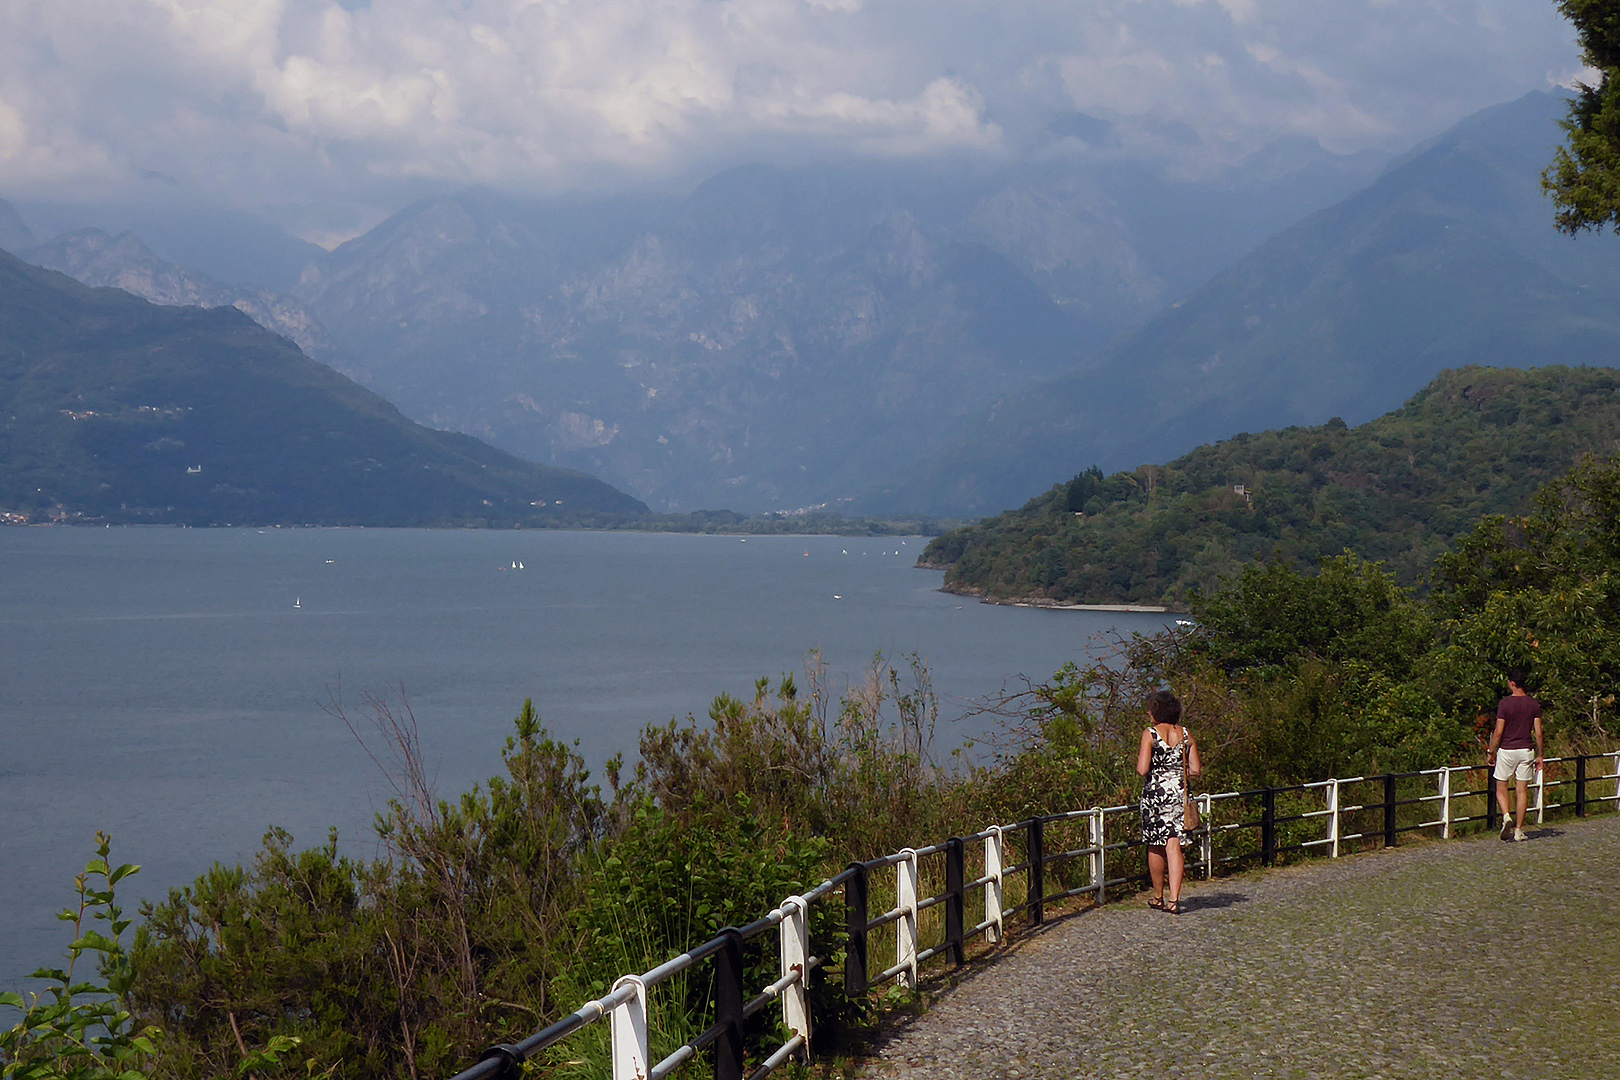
{"points": [[282, 100]]}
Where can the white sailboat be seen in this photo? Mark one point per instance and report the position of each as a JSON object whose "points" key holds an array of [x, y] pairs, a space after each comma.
{"points": [[298, 602]]}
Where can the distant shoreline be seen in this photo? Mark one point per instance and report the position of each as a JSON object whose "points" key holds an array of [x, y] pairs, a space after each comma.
{"points": [[1037, 602]]}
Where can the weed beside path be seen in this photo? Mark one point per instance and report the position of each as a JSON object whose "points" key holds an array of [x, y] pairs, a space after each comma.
{"points": [[1465, 958]]}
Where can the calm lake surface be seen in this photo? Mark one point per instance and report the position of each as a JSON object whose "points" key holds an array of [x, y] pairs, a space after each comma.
{"points": [[160, 684]]}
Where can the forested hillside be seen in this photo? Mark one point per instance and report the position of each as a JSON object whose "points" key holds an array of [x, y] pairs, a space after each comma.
{"points": [[113, 409], [1476, 441]]}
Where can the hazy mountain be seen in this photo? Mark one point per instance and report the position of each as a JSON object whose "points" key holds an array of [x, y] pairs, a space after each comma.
{"points": [[124, 262], [1449, 259], [780, 338], [119, 410], [14, 235], [227, 245]]}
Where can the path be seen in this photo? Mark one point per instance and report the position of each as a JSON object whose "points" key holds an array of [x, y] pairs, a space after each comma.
{"points": [[1459, 959]]}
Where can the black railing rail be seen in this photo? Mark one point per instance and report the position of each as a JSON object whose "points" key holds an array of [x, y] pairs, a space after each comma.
{"points": [[1287, 817]]}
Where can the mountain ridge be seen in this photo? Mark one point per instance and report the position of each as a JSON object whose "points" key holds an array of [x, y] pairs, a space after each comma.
{"points": [[118, 410]]}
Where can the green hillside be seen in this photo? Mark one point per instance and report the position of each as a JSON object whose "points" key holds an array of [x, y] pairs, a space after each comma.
{"points": [[1476, 441], [113, 409]]}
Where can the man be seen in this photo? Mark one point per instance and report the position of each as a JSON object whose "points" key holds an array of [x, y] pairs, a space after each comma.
{"points": [[1512, 752]]}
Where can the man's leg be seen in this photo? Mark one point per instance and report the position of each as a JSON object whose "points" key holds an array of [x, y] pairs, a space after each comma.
{"points": [[1505, 806], [1524, 801]]}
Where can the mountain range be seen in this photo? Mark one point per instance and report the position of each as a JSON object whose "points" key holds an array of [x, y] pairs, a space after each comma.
{"points": [[943, 339], [118, 410], [1448, 259], [778, 338]]}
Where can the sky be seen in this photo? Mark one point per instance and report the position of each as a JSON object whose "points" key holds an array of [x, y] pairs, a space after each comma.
{"points": [[326, 114]]}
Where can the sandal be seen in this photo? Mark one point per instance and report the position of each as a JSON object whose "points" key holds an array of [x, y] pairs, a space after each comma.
{"points": [[1172, 907], [1157, 903]]}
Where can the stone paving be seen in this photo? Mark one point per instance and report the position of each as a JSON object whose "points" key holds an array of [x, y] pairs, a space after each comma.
{"points": [[1458, 959]]}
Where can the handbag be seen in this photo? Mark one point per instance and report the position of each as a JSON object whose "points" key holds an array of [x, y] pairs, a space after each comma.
{"points": [[1191, 821]]}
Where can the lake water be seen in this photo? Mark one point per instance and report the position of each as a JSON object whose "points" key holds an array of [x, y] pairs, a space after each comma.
{"points": [[161, 684]]}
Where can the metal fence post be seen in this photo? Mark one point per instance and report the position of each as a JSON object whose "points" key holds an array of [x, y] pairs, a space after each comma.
{"points": [[1333, 817], [1208, 842], [1445, 802], [954, 902], [1580, 786], [992, 888], [855, 923], [1490, 799], [1037, 871], [1389, 809], [631, 1058], [1268, 827], [1616, 756], [1099, 870], [905, 930], [728, 1006], [795, 956]]}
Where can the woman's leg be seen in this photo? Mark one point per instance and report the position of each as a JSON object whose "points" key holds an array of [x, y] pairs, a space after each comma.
{"points": [[1156, 869], [1177, 866]]}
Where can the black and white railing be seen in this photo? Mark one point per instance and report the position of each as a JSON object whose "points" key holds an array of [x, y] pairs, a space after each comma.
{"points": [[1284, 820]]}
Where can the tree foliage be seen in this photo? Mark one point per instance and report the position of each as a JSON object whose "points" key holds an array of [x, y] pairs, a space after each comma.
{"points": [[1584, 177]]}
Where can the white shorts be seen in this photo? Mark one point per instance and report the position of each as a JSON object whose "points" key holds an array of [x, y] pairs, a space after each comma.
{"points": [[1516, 764]]}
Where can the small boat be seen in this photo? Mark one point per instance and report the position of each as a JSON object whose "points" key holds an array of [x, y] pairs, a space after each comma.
{"points": [[514, 564], [298, 602], [520, 564]]}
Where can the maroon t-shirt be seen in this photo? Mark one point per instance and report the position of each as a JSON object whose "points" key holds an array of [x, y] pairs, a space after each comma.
{"points": [[1520, 712]]}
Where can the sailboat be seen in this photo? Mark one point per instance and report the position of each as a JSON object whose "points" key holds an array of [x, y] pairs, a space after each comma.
{"points": [[520, 564], [298, 602]]}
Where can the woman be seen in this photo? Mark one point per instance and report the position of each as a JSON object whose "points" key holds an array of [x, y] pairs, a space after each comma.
{"points": [[1168, 753]]}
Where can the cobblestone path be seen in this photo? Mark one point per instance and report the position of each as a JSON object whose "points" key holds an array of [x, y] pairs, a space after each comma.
{"points": [[1468, 958]]}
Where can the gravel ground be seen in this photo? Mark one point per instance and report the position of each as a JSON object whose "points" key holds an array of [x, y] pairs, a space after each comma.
{"points": [[1469, 958]]}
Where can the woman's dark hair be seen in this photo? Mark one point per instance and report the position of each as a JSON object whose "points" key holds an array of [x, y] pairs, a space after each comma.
{"points": [[1164, 707]]}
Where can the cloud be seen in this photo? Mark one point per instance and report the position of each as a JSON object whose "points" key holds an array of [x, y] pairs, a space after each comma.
{"points": [[282, 100]]}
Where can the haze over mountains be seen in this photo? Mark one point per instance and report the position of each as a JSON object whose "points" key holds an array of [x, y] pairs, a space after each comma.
{"points": [[779, 338], [943, 339], [1449, 259]]}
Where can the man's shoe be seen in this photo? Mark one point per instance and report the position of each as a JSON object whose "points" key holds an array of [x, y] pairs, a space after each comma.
{"points": [[1518, 834], [1507, 828]]}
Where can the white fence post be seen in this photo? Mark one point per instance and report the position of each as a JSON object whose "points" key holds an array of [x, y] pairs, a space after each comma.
{"points": [[992, 888], [1616, 768], [1541, 793], [796, 959], [1208, 842], [1099, 875], [1333, 817], [1445, 802], [905, 937], [629, 1035]]}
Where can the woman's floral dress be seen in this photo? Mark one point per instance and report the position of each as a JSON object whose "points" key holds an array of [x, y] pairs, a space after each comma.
{"points": [[1164, 794]]}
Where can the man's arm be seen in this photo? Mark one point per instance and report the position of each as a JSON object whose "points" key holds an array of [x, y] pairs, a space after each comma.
{"points": [[1496, 738], [1541, 761]]}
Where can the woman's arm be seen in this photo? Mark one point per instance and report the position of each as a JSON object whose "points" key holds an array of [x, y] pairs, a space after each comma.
{"points": [[1144, 756], [1194, 765]]}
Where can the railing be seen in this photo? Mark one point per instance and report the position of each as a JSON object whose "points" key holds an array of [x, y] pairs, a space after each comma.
{"points": [[1287, 822]]}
